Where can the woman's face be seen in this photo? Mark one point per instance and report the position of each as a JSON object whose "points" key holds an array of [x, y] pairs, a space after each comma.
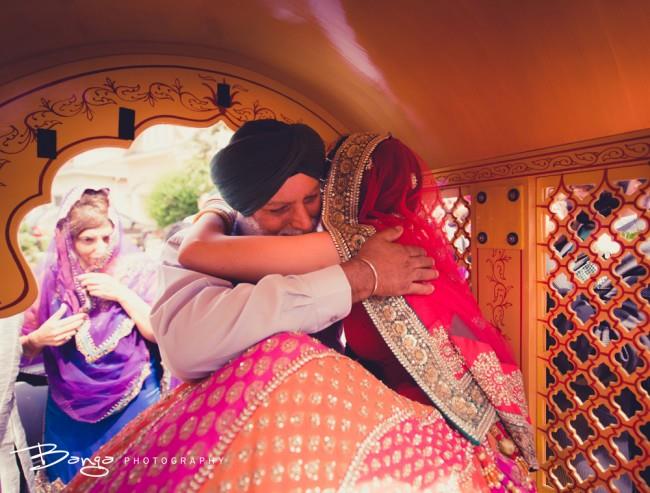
{"points": [[92, 245]]}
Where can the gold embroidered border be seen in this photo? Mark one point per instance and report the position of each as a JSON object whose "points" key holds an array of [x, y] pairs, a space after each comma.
{"points": [[460, 400], [354, 470], [44, 485], [165, 381], [503, 389], [135, 389], [86, 345], [521, 432], [227, 438], [145, 423]]}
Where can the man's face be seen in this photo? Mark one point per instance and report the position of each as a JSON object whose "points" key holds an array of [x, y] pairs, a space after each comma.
{"points": [[293, 210]]}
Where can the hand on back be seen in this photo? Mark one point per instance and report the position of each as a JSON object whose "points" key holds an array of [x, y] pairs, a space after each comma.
{"points": [[400, 269]]}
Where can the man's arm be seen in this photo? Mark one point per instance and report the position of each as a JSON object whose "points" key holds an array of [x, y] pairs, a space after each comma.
{"points": [[201, 322]]}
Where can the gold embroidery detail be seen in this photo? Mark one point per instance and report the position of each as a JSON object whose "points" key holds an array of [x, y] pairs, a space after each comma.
{"points": [[252, 390], [86, 345], [206, 423], [277, 471], [168, 435], [289, 346], [158, 466], [501, 388], [196, 403], [145, 423], [415, 348], [224, 421], [243, 368], [188, 428], [262, 366], [136, 473], [234, 392], [295, 444], [216, 395], [281, 419], [224, 374], [270, 344], [299, 398], [297, 419], [282, 397], [136, 387], [487, 368], [371, 443], [280, 364]]}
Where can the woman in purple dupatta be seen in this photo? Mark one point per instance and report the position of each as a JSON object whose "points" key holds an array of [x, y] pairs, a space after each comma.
{"points": [[91, 324]]}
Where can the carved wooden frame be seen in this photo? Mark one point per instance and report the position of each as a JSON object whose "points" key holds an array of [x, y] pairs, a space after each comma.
{"points": [[81, 101]]}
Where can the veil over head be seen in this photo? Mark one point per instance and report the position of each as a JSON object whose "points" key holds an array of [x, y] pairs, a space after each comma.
{"points": [[107, 354], [442, 341]]}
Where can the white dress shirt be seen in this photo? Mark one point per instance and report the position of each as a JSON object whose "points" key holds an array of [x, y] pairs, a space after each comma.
{"points": [[201, 322]]}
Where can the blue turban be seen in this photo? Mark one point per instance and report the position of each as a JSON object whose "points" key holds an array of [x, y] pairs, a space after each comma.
{"points": [[260, 157]]}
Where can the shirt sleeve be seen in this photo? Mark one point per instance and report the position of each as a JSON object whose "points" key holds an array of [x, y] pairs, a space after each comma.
{"points": [[201, 322]]}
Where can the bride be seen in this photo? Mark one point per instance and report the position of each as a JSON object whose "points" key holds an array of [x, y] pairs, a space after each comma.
{"points": [[443, 409]]}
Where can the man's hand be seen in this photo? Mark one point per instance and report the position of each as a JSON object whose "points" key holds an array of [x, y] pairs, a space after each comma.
{"points": [[400, 269]]}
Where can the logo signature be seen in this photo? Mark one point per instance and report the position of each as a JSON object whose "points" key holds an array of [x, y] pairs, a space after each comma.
{"points": [[93, 467]]}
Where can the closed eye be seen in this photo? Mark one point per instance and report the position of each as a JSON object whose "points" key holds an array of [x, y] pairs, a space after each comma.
{"points": [[280, 210]]}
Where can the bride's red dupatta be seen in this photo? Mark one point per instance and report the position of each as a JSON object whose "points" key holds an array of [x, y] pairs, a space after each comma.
{"points": [[437, 348]]}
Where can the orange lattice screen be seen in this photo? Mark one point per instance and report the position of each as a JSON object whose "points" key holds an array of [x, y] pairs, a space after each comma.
{"points": [[594, 252], [452, 210]]}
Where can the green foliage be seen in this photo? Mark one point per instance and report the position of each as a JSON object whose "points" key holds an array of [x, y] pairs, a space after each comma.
{"points": [[175, 195], [31, 245]]}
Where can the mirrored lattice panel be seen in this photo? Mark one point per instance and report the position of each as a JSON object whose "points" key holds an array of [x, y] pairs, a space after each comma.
{"points": [[450, 209], [595, 257]]}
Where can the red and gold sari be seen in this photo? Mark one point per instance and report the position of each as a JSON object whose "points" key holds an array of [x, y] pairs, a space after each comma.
{"points": [[292, 415], [438, 348]]}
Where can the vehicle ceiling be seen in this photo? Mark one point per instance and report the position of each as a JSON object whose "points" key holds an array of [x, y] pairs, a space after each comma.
{"points": [[459, 80]]}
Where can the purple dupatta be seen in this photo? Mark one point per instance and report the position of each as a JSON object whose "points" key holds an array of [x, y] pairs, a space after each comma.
{"points": [[102, 368]]}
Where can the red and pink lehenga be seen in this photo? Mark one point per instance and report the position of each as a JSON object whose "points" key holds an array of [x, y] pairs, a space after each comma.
{"points": [[292, 415]]}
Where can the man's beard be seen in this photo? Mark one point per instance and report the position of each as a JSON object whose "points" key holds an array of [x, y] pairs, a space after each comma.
{"points": [[247, 226]]}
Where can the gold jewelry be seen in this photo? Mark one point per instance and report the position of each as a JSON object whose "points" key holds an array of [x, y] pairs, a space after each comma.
{"points": [[374, 273]]}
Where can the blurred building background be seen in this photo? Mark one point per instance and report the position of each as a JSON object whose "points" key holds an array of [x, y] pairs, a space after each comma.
{"points": [[154, 184]]}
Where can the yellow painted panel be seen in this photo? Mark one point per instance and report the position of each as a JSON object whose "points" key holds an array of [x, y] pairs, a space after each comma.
{"points": [[499, 293], [499, 216]]}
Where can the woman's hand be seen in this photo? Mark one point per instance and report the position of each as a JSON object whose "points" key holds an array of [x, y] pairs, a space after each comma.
{"points": [[56, 330], [109, 288], [104, 286], [205, 248]]}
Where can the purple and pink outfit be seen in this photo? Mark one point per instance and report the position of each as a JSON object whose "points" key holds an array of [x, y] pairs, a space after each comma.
{"points": [[105, 375]]}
